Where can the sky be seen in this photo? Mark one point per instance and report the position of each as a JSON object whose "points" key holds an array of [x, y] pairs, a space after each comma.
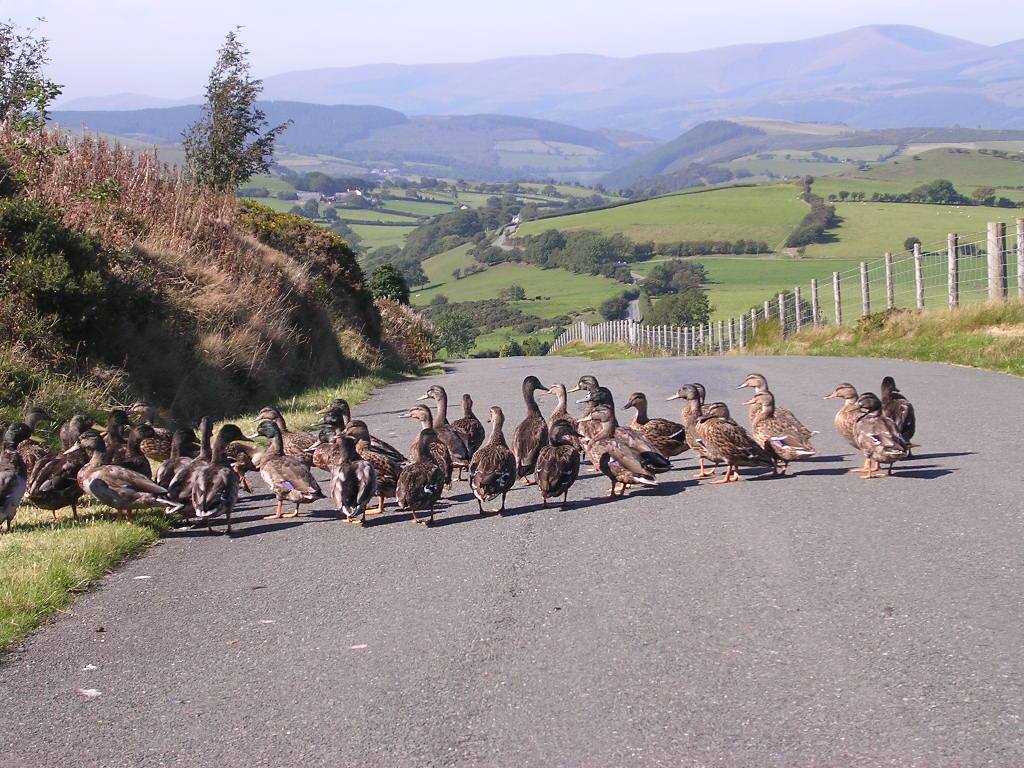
{"points": [[166, 48]]}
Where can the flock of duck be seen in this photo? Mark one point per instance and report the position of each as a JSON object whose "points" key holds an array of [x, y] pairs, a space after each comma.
{"points": [[200, 477]]}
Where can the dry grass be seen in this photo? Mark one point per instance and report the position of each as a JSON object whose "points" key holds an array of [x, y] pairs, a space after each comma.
{"points": [[987, 336]]}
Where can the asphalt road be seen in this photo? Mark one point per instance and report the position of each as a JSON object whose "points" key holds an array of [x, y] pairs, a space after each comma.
{"points": [[818, 620]]}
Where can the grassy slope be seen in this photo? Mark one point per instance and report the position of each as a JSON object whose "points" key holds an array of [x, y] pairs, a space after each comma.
{"points": [[737, 283], [44, 564], [561, 291], [984, 336], [964, 168], [767, 213], [870, 229]]}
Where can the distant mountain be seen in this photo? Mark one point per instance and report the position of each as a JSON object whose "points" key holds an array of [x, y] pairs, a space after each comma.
{"points": [[870, 77], [482, 147], [123, 101]]}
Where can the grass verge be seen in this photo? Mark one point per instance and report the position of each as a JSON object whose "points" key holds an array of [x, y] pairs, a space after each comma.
{"points": [[989, 336], [45, 562], [609, 351]]}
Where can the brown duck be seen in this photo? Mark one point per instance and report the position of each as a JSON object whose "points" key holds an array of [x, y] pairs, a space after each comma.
{"points": [[727, 442], [421, 481], [387, 469], [492, 472], [558, 463], [847, 415], [774, 435], [668, 437]]}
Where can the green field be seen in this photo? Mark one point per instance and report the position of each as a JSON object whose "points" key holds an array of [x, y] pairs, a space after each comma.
{"points": [[371, 214], [767, 213], [561, 292], [870, 229], [737, 283], [380, 237], [418, 207], [965, 168]]}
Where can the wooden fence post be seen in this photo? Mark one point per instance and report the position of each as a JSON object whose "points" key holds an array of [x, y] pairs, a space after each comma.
{"points": [[838, 297], [753, 319], [815, 305], [1020, 259], [782, 314], [918, 276], [953, 269], [797, 308], [721, 336], [767, 310], [996, 261], [743, 331], [890, 287], [865, 290], [732, 334]]}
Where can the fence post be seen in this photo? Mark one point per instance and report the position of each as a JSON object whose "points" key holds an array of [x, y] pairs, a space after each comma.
{"points": [[815, 306], [798, 310], [782, 314], [996, 261], [890, 287], [753, 319], [918, 276], [711, 336], [732, 334], [1020, 259], [743, 331], [838, 297], [865, 290], [721, 336], [767, 310], [953, 270]]}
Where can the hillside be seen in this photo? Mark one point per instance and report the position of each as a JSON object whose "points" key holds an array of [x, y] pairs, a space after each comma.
{"points": [[120, 281], [868, 77], [487, 147], [747, 148]]}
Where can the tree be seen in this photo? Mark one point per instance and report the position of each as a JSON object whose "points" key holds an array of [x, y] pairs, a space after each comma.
{"points": [[331, 213], [689, 307], [613, 308], [25, 93], [454, 331], [512, 293], [984, 195], [229, 144], [311, 208], [387, 283]]}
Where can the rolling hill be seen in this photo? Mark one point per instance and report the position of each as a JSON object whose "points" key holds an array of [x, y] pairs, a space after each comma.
{"points": [[485, 147], [867, 77]]}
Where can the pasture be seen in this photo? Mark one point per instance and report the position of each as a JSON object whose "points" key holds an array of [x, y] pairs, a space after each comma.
{"points": [[767, 213]]}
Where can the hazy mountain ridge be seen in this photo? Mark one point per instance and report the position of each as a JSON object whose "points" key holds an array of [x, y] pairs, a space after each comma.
{"points": [[479, 146]]}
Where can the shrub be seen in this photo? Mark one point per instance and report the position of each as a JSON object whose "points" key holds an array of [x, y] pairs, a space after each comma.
{"points": [[408, 332], [387, 283], [454, 331]]}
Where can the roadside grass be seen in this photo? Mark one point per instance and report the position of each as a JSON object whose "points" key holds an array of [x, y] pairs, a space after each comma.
{"points": [[609, 351], [768, 213], [45, 562], [989, 336]]}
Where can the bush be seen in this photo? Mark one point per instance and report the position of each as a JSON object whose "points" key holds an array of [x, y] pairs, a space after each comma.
{"points": [[510, 348], [287, 194], [454, 331], [409, 333], [387, 283], [614, 307], [689, 307]]}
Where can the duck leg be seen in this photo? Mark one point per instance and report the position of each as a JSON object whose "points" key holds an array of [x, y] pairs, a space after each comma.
{"points": [[278, 514], [74, 510], [731, 476], [293, 514], [703, 472], [380, 507]]}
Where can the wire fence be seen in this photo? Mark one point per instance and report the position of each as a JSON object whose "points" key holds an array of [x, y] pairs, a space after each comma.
{"points": [[962, 270]]}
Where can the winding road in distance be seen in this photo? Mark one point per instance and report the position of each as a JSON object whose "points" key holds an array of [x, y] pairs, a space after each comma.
{"points": [[816, 620]]}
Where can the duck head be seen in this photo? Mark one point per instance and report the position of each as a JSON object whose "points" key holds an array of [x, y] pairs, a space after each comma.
{"points": [[562, 433], [764, 400], [843, 391], [755, 380], [143, 410], [89, 441], [587, 383], [268, 429], [358, 430], [869, 403], [686, 392], [636, 400], [16, 434]]}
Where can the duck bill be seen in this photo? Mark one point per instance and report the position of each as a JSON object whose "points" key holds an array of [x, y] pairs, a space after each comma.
{"points": [[423, 397], [252, 437], [577, 388], [69, 451], [676, 396]]}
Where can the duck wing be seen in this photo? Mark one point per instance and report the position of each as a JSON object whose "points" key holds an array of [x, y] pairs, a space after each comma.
{"points": [[530, 436], [492, 472], [214, 491]]}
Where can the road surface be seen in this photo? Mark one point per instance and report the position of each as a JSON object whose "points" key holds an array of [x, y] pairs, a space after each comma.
{"points": [[818, 620]]}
